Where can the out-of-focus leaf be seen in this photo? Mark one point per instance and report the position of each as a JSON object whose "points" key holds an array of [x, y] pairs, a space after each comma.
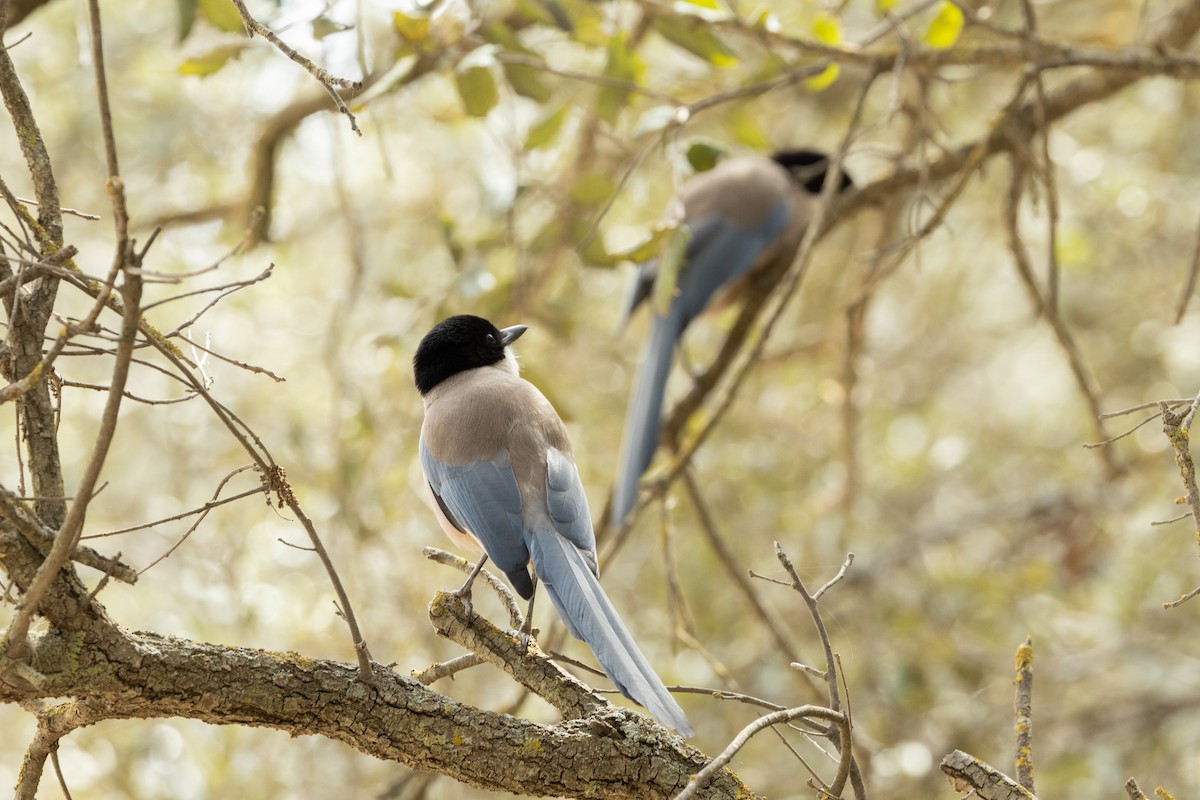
{"points": [[826, 79], [703, 156], [946, 26], [669, 263], [697, 37], [746, 123], [412, 29], [592, 189], [648, 249], [211, 61], [323, 26], [709, 4], [187, 16], [622, 64], [884, 6], [477, 88], [223, 15], [545, 129], [528, 81], [525, 79], [655, 119], [826, 29]]}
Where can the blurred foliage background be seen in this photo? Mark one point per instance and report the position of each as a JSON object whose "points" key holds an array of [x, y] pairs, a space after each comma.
{"points": [[935, 429]]}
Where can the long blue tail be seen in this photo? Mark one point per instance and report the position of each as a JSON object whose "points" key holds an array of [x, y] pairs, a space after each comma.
{"points": [[591, 618], [643, 418]]}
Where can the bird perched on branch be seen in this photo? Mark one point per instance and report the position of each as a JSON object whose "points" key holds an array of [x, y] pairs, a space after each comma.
{"points": [[743, 219], [504, 483]]}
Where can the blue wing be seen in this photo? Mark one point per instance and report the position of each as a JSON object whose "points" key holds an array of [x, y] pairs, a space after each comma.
{"points": [[718, 253], [568, 505], [483, 499]]}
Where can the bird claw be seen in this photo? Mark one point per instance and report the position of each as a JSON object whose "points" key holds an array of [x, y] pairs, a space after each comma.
{"points": [[464, 595]]}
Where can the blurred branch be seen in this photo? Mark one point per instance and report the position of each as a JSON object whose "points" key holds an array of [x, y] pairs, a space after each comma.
{"points": [[1189, 285], [1042, 305]]}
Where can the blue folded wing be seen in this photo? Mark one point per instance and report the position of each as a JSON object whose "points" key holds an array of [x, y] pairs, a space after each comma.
{"points": [[568, 506], [483, 498]]}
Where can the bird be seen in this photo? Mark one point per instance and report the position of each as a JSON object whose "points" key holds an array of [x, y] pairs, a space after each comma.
{"points": [[744, 216], [504, 483]]}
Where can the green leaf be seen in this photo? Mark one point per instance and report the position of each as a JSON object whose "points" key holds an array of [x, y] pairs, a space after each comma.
{"points": [[668, 268], [212, 61], [592, 189], [624, 65], [412, 29], [544, 130], [477, 88], [528, 81], [696, 36], [187, 16], [946, 26], [323, 26], [223, 15], [703, 156]]}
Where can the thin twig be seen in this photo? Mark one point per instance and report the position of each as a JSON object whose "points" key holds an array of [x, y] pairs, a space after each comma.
{"points": [[701, 778], [464, 566], [1023, 708], [327, 79], [1189, 285]]}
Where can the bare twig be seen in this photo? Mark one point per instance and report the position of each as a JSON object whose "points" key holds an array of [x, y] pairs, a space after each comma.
{"points": [[327, 79], [126, 261], [1023, 707], [966, 773], [447, 669], [464, 566], [774, 718]]}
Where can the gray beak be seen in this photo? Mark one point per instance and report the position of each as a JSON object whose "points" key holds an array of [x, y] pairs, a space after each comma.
{"points": [[511, 334]]}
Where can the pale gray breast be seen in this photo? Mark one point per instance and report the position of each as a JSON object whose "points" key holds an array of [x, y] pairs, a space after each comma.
{"points": [[742, 190], [471, 416]]}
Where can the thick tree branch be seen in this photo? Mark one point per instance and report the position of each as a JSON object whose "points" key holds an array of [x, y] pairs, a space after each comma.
{"points": [[613, 754]]}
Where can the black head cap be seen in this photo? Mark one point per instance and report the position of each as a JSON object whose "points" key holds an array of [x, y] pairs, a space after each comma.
{"points": [[809, 167], [457, 344]]}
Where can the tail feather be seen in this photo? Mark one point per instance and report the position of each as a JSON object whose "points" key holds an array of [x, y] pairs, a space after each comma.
{"points": [[590, 617], [643, 419]]}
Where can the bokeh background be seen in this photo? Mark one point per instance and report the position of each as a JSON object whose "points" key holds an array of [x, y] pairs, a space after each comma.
{"points": [[936, 431]]}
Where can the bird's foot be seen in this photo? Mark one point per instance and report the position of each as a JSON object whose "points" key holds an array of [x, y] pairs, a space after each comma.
{"points": [[464, 594]]}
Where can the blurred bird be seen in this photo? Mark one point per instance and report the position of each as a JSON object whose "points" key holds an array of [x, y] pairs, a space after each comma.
{"points": [[743, 216], [504, 483]]}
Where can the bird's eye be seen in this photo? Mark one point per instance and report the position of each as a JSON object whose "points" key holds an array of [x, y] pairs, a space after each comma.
{"points": [[491, 338]]}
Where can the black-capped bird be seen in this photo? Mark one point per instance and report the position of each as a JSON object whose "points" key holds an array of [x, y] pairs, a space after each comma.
{"points": [[504, 483], [743, 216]]}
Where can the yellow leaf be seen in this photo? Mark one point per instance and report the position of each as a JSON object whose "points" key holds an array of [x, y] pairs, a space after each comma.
{"points": [[826, 79], [884, 6], [411, 29], [223, 15], [210, 62], [946, 26], [827, 29]]}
